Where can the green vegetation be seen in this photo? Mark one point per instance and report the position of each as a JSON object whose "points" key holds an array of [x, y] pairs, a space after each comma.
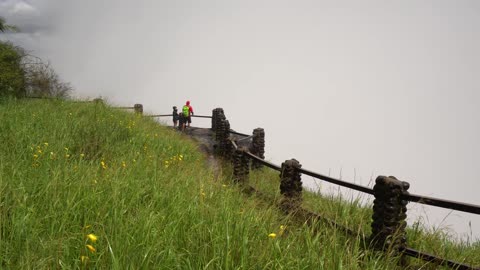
{"points": [[25, 75], [12, 75], [84, 186], [4, 27]]}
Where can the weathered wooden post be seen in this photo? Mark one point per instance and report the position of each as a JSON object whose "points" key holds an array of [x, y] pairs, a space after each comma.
{"points": [[138, 108], [389, 215], [218, 129], [215, 117], [220, 116], [240, 166], [258, 146], [227, 144], [219, 136], [98, 101], [290, 186]]}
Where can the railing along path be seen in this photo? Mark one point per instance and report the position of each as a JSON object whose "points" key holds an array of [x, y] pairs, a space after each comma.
{"points": [[391, 195]]}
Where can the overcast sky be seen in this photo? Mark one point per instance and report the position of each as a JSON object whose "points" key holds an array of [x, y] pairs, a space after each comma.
{"points": [[353, 89]]}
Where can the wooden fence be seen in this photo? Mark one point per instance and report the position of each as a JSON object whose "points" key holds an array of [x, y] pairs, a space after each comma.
{"points": [[391, 195], [389, 207]]}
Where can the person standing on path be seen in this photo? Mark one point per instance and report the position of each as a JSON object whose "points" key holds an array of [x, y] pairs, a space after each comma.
{"points": [[181, 121], [188, 112], [175, 116]]}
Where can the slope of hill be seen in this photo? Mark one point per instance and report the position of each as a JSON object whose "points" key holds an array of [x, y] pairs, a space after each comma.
{"points": [[84, 186]]}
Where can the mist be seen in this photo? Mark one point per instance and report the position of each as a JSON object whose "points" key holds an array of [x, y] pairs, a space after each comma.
{"points": [[350, 89]]}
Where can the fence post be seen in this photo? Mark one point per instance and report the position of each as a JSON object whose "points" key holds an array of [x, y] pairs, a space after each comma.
{"points": [[219, 134], [389, 214], [215, 117], [240, 166], [290, 186], [98, 101], [258, 146], [227, 144], [219, 117], [138, 108]]}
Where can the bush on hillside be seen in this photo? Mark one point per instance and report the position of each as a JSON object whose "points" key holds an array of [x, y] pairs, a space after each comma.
{"points": [[12, 73], [24, 75], [41, 80]]}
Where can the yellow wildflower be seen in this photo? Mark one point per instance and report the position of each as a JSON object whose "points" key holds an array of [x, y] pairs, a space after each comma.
{"points": [[45, 143], [67, 156], [272, 235], [35, 156], [224, 185], [282, 230], [104, 166], [39, 151], [84, 259], [92, 237], [82, 155], [124, 164], [91, 248]]}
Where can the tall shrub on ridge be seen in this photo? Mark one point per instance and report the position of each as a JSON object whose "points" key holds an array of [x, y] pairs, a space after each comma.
{"points": [[12, 74]]}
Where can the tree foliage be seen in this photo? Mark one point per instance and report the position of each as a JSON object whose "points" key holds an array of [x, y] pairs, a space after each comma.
{"points": [[12, 73], [25, 75], [4, 27], [41, 80]]}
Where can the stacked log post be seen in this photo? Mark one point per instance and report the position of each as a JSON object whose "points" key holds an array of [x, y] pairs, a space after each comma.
{"points": [[138, 108], [227, 144], [219, 136], [216, 117], [218, 129], [98, 101], [220, 115], [240, 166], [290, 186], [389, 214], [258, 146]]}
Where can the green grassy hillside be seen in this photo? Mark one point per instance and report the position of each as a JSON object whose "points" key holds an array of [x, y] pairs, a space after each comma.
{"points": [[85, 186]]}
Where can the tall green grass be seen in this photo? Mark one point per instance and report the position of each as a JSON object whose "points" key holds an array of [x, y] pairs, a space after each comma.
{"points": [[356, 216], [73, 170]]}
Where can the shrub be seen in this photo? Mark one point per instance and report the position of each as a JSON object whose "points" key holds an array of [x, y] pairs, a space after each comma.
{"points": [[12, 74]]}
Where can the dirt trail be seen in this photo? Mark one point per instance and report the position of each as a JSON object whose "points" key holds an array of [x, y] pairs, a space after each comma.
{"points": [[205, 138]]}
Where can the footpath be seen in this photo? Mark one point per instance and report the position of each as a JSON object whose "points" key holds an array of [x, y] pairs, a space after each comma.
{"points": [[205, 139]]}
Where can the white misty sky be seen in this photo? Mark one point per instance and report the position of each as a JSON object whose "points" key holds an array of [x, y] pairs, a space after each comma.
{"points": [[350, 88]]}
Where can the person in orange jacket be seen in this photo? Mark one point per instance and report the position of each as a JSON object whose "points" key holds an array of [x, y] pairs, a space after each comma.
{"points": [[188, 112]]}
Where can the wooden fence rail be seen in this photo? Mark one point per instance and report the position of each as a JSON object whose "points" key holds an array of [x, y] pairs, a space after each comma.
{"points": [[391, 195], [389, 209]]}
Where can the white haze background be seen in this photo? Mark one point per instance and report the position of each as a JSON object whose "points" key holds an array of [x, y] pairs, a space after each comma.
{"points": [[353, 89]]}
